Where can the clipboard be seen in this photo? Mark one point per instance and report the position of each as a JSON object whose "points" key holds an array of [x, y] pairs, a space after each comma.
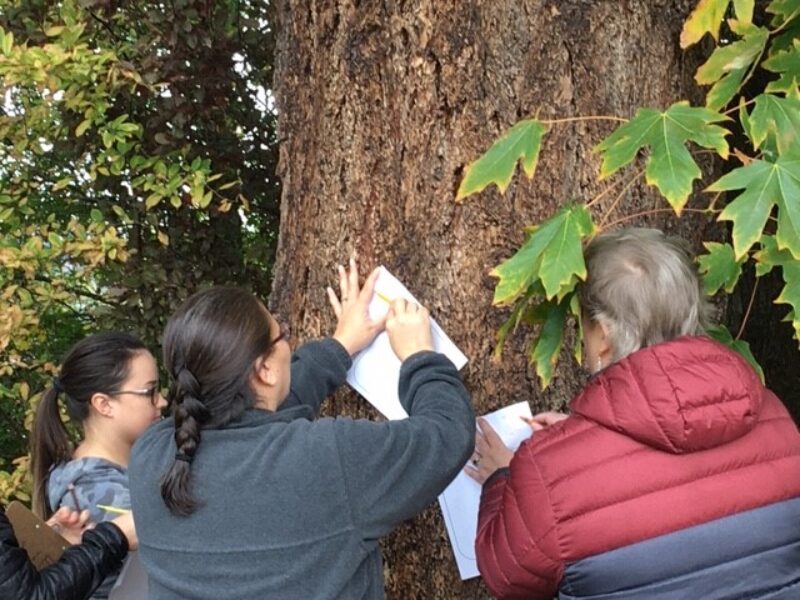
{"points": [[43, 545]]}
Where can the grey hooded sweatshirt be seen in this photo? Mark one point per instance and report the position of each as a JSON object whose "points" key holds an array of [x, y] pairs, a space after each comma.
{"points": [[292, 507]]}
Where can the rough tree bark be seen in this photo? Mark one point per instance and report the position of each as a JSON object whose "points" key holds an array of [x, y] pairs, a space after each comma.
{"points": [[382, 104]]}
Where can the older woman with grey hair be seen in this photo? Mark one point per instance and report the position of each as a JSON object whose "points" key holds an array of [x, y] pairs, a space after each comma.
{"points": [[677, 473]]}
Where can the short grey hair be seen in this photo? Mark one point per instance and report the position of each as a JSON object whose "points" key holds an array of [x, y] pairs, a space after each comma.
{"points": [[644, 287]]}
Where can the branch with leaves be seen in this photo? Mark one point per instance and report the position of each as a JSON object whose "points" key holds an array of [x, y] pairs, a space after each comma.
{"points": [[538, 282]]}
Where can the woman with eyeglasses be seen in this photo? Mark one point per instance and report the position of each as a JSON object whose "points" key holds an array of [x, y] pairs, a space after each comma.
{"points": [[108, 383], [245, 494]]}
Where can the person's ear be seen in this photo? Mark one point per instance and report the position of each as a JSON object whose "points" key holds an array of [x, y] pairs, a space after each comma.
{"points": [[605, 351], [102, 404], [265, 374]]}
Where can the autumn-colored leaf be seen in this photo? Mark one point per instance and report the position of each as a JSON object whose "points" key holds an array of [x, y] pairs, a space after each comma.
{"points": [[728, 65], [706, 17]]}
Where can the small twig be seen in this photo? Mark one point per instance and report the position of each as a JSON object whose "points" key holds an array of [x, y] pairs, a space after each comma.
{"points": [[714, 201], [654, 211], [618, 199], [586, 118], [106, 25], [747, 312], [608, 190], [738, 106]]}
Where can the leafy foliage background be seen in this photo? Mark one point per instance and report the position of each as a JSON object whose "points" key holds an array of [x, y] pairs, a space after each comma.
{"points": [[137, 160]]}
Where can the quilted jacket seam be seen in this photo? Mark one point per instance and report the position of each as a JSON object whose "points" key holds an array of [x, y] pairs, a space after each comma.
{"points": [[724, 471]]}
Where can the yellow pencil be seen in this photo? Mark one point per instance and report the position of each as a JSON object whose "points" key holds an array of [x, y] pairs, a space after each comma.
{"points": [[113, 509]]}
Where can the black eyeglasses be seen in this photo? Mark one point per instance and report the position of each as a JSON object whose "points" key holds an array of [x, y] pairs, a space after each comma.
{"points": [[151, 393], [285, 334]]}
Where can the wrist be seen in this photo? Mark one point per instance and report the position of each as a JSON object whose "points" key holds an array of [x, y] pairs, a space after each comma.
{"points": [[416, 350], [346, 343]]}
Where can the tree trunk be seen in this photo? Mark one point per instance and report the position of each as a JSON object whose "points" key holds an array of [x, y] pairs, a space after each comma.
{"points": [[382, 104]]}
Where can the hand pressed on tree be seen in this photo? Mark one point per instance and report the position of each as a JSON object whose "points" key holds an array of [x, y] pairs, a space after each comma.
{"points": [[409, 328], [355, 329]]}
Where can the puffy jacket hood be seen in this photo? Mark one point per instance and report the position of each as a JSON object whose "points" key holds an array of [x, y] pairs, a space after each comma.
{"points": [[685, 395]]}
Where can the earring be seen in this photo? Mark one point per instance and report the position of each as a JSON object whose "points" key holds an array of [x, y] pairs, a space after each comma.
{"points": [[599, 364]]}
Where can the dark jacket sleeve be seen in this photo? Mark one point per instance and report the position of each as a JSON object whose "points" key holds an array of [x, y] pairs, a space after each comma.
{"points": [[74, 577], [393, 470], [318, 368], [516, 530]]}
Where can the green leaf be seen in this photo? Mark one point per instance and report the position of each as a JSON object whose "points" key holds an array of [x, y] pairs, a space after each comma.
{"points": [[723, 336], [770, 256], [552, 253], [787, 64], [152, 200], [96, 216], [546, 348], [82, 127], [522, 142], [562, 259], [744, 10], [705, 18], [728, 64], [791, 293], [765, 184], [719, 268], [670, 167], [62, 183], [777, 118], [783, 10], [7, 42]]}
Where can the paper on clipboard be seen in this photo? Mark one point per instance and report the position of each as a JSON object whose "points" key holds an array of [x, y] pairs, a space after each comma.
{"points": [[375, 372], [461, 499]]}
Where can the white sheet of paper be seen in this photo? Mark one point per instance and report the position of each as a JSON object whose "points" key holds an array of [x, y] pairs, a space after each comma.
{"points": [[375, 372], [461, 500]]}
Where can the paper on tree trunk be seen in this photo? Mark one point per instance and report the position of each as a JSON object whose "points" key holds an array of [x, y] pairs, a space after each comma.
{"points": [[375, 372]]}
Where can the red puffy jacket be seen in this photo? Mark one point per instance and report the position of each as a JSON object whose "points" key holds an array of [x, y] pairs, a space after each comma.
{"points": [[677, 476]]}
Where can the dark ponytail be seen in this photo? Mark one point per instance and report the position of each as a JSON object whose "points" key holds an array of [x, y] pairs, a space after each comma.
{"points": [[210, 346], [96, 364]]}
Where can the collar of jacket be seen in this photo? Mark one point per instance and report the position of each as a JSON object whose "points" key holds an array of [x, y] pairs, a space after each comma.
{"points": [[684, 395], [253, 417]]}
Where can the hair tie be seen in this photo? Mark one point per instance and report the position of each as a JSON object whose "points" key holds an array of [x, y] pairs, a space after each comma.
{"points": [[184, 457], [57, 385]]}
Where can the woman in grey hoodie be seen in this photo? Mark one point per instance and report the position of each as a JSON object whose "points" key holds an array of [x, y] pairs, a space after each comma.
{"points": [[108, 383], [243, 494]]}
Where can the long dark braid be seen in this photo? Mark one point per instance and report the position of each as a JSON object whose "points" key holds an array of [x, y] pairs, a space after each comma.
{"points": [[210, 347]]}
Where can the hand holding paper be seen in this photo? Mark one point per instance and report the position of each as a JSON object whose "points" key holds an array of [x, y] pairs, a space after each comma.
{"points": [[490, 453], [461, 500], [356, 327], [376, 371], [408, 326]]}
